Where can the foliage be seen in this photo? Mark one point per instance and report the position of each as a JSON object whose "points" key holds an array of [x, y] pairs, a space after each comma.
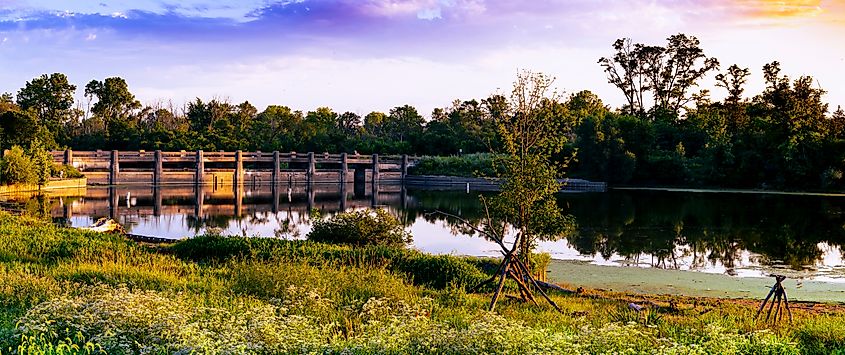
{"points": [[783, 137], [422, 269], [531, 134], [16, 167], [469, 165], [50, 97], [367, 227], [667, 72], [65, 291], [65, 171], [42, 163]]}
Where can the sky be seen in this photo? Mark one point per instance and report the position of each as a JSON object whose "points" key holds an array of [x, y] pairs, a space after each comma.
{"points": [[371, 55]]}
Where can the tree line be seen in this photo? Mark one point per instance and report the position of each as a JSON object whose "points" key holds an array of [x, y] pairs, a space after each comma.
{"points": [[669, 132]]}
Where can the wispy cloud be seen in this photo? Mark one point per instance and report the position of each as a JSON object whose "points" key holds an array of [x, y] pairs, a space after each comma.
{"points": [[565, 37], [780, 9]]}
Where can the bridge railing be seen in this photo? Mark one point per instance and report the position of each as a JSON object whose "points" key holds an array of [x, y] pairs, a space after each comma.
{"points": [[159, 163]]}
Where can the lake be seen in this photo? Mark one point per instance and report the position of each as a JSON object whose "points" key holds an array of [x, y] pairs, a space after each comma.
{"points": [[738, 234]]}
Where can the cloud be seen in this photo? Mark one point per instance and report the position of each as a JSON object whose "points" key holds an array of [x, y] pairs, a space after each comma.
{"points": [[779, 9], [235, 10]]}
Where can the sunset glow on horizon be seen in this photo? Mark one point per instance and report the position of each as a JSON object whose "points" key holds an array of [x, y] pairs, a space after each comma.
{"points": [[376, 54]]}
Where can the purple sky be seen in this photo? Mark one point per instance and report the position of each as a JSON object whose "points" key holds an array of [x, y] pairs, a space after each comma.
{"points": [[364, 55]]}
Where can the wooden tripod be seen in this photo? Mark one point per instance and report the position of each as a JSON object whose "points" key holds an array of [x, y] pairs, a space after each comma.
{"points": [[510, 267], [780, 298]]}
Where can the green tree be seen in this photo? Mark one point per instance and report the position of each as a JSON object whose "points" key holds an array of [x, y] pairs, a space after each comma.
{"points": [[317, 130], [42, 163], [21, 128], [526, 203], [793, 116], [51, 98], [116, 107], [275, 129], [404, 126], [16, 167]]}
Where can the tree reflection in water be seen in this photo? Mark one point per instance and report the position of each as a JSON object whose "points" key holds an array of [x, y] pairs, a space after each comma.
{"points": [[682, 230], [673, 230]]}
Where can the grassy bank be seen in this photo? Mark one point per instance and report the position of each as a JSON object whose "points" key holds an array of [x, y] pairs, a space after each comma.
{"points": [[67, 291]]}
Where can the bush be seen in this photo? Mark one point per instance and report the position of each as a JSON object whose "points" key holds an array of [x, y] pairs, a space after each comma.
{"points": [[372, 227], [470, 165], [65, 171], [16, 167], [435, 271]]}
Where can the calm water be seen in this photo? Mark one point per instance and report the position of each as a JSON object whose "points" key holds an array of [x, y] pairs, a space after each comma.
{"points": [[735, 234]]}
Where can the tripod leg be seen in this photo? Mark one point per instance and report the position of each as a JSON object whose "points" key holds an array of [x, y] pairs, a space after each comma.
{"points": [[763, 304], [786, 302], [772, 306]]}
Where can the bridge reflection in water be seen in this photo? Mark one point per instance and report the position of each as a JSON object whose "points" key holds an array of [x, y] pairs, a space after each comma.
{"points": [[737, 234], [130, 203]]}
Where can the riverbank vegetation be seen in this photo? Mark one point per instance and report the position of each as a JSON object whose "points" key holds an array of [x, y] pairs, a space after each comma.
{"points": [[670, 132], [33, 166], [65, 291]]}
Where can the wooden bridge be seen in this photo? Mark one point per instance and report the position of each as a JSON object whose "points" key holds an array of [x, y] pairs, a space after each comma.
{"points": [[233, 168]]}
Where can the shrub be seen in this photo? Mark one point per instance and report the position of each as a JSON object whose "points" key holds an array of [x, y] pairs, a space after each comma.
{"points": [[16, 167], [372, 227], [65, 171], [470, 165], [42, 164], [436, 271]]}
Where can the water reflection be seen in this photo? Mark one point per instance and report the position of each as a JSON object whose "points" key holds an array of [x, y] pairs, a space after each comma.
{"points": [[736, 234]]}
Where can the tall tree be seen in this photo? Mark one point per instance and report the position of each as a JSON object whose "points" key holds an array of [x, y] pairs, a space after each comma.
{"points": [[275, 129], [51, 98], [115, 106], [625, 71], [114, 100], [667, 72], [673, 70], [404, 123], [526, 203], [733, 81], [317, 130]]}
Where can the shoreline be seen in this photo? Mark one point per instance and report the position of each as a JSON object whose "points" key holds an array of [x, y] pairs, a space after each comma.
{"points": [[685, 283], [729, 191]]}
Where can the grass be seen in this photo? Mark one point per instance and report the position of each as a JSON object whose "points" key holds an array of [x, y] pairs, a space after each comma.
{"points": [[65, 291]]}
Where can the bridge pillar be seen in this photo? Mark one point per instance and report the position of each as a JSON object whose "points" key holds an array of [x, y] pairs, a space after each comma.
{"points": [[375, 170], [276, 167], [199, 200], [157, 201], [239, 168], [114, 200], [312, 166], [276, 194], [311, 194], [344, 191], [114, 168], [239, 199], [344, 169], [375, 195], [404, 167], [158, 169], [199, 179], [68, 157]]}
